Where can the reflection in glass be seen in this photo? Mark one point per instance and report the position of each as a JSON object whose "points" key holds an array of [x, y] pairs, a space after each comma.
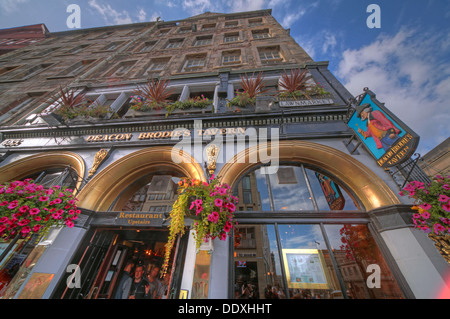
{"points": [[143, 196], [290, 190], [257, 265], [355, 249], [307, 263]]}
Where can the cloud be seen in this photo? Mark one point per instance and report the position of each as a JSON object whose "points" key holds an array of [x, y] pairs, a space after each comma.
{"points": [[409, 71], [10, 6], [142, 15], [110, 15]]}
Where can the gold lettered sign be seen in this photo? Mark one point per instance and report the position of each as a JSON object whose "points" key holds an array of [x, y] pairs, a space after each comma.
{"points": [[140, 219]]}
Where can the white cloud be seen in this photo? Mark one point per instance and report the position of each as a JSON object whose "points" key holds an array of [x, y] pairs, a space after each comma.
{"points": [[142, 15], [410, 74], [10, 6], [110, 15]]}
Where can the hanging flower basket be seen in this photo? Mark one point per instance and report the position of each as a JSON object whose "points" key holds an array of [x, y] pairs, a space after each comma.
{"points": [[432, 209], [27, 208], [210, 205]]}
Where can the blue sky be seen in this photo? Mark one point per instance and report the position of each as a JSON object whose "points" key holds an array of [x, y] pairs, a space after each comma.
{"points": [[406, 62]]}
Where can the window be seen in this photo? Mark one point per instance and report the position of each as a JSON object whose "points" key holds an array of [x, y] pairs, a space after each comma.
{"points": [[24, 72], [147, 46], [231, 37], [270, 55], [208, 27], [195, 62], [156, 65], [78, 49], [293, 188], [255, 22], [163, 32], [121, 69], [174, 43], [112, 46], [231, 57], [185, 30], [77, 68], [231, 24], [260, 34], [206, 40]]}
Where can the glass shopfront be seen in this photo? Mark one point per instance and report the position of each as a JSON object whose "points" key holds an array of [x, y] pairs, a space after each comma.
{"points": [[130, 250], [305, 243]]}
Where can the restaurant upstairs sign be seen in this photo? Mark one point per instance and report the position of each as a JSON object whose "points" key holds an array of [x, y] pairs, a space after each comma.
{"points": [[386, 137]]}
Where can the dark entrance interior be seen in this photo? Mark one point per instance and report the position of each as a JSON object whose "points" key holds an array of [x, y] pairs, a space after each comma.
{"points": [[105, 253]]}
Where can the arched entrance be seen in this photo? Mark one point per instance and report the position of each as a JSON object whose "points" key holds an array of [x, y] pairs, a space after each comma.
{"points": [[129, 200]]}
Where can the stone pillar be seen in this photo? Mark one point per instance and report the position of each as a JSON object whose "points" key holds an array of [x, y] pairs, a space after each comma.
{"points": [[421, 266]]}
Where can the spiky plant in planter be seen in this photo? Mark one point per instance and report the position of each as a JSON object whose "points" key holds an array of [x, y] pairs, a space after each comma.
{"points": [[152, 95], [295, 84], [252, 86]]}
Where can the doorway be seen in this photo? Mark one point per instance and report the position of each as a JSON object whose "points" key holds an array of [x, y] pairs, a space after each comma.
{"points": [[103, 260]]}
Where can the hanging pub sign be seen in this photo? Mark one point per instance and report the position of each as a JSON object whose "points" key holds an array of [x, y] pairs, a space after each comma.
{"points": [[389, 140]]}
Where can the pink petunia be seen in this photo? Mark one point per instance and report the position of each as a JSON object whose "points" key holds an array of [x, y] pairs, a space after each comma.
{"points": [[443, 198], [23, 222], [446, 207], [36, 228], [446, 187], [223, 236], [69, 223], [24, 209], [425, 206], [43, 198], [34, 211], [438, 228], [4, 203], [227, 226], [425, 215], [218, 202], [25, 230]]}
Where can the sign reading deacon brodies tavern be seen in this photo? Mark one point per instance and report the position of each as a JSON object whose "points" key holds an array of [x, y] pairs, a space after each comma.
{"points": [[389, 140]]}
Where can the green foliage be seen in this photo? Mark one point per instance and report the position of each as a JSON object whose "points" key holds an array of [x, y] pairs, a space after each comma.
{"points": [[242, 99]]}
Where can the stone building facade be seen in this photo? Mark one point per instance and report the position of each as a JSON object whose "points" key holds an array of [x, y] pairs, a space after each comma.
{"points": [[286, 217]]}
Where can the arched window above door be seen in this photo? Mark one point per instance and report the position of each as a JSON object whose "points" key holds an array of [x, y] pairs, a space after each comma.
{"points": [[295, 187]]}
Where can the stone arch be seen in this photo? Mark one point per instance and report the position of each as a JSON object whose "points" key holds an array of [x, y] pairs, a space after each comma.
{"points": [[100, 192]]}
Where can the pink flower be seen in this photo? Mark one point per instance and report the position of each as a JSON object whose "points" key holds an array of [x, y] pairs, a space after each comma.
{"points": [[24, 209], [227, 226], [218, 202], [25, 230], [69, 223], [425, 206], [43, 198], [23, 222], [4, 219], [223, 236], [425, 215], [438, 228], [36, 228], [13, 205], [446, 187], [443, 198], [49, 191], [222, 191], [34, 211], [4, 203], [446, 207], [231, 207]]}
